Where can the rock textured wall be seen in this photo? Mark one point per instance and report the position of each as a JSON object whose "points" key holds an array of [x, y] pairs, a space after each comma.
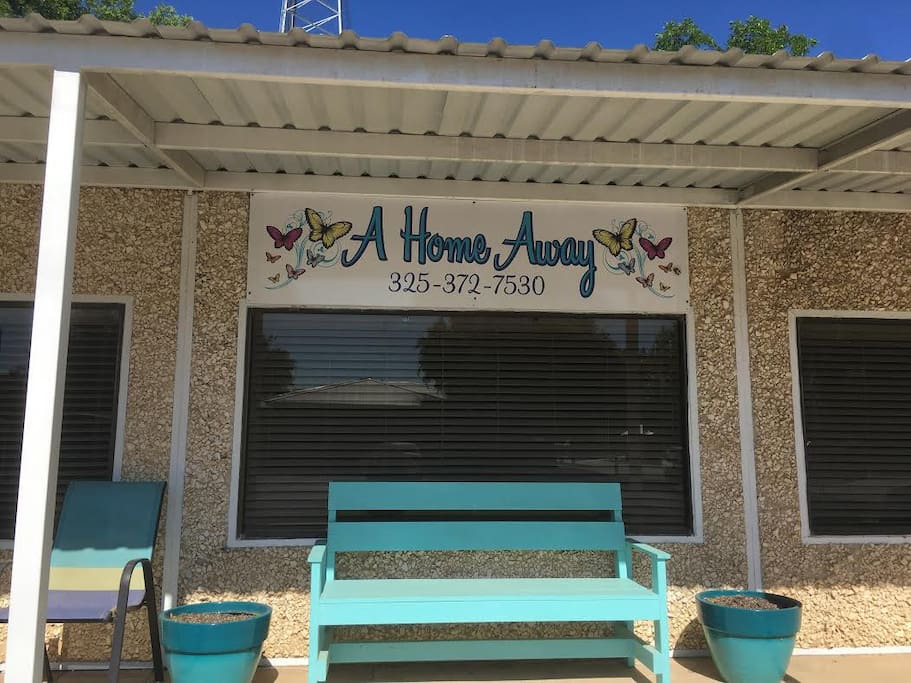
{"points": [[127, 244], [853, 594]]}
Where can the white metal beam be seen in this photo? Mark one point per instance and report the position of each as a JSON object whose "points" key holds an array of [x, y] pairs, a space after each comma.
{"points": [[131, 116], [298, 64], [291, 142], [33, 130], [285, 182], [46, 375], [887, 132], [285, 141]]}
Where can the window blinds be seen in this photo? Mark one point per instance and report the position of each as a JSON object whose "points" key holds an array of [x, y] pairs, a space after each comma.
{"points": [[469, 397], [90, 399], [855, 380]]}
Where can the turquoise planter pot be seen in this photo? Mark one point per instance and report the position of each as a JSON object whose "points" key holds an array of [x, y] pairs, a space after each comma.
{"points": [[750, 645], [226, 653]]}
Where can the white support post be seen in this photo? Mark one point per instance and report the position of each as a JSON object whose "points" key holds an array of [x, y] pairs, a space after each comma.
{"points": [[180, 414], [46, 375]]}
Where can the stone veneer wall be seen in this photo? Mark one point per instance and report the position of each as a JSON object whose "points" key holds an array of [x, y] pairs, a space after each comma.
{"points": [[857, 594], [127, 243]]}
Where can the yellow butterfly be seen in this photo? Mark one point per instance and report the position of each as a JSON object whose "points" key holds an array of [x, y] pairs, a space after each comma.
{"points": [[275, 278], [622, 240], [320, 232]]}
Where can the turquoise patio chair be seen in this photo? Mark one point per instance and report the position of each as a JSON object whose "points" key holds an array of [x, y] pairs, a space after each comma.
{"points": [[105, 529]]}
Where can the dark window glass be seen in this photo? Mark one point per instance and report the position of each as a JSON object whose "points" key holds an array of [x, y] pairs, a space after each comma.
{"points": [[89, 401], [467, 397], [855, 380]]}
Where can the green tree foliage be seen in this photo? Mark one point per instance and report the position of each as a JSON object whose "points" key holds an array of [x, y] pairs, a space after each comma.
{"points": [[167, 15], [757, 36], [107, 10], [753, 34], [676, 34]]}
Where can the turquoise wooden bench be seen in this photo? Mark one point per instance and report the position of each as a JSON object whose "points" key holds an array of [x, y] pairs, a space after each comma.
{"points": [[437, 516]]}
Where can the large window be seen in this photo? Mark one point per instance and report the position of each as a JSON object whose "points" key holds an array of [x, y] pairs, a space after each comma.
{"points": [[461, 397], [855, 382], [90, 400]]}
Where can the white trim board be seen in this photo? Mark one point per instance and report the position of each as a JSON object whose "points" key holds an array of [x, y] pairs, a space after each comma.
{"points": [[181, 404], [745, 404], [234, 500], [805, 536], [123, 389]]}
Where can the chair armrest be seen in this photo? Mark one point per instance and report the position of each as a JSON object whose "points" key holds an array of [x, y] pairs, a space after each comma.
{"points": [[126, 577], [659, 555], [317, 554]]}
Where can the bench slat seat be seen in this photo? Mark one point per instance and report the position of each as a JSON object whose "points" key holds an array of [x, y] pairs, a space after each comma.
{"points": [[488, 516], [427, 601]]}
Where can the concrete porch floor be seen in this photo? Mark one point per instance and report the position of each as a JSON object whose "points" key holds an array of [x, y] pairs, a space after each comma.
{"points": [[803, 669]]}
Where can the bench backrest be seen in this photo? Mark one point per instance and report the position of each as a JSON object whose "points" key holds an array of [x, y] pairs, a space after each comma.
{"points": [[376, 516]]}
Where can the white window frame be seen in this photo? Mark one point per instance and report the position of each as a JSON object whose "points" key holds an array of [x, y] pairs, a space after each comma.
{"points": [[692, 409], [122, 389], [806, 537]]}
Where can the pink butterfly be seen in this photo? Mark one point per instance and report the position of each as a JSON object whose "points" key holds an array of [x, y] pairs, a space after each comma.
{"points": [[646, 281], [293, 274], [285, 240], [653, 250]]}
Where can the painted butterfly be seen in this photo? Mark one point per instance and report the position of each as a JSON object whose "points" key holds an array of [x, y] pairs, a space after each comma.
{"points": [[293, 273], [314, 259], [627, 266], [272, 258], [327, 234], [646, 281], [622, 240], [663, 287], [670, 268], [653, 250], [285, 240], [275, 278]]}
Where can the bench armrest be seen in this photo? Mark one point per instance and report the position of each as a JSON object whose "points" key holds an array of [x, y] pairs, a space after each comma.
{"points": [[317, 554], [658, 559], [659, 555]]}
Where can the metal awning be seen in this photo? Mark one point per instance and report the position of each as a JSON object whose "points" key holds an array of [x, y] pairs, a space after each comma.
{"points": [[239, 109]]}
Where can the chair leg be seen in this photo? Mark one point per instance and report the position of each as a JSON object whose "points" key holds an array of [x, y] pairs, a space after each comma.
{"points": [[48, 676], [120, 622], [154, 637]]}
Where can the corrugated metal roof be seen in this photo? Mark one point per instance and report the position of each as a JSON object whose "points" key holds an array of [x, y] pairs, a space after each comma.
{"points": [[249, 104], [496, 47]]}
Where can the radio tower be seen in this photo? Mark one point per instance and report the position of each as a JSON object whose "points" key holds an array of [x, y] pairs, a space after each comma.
{"points": [[314, 16]]}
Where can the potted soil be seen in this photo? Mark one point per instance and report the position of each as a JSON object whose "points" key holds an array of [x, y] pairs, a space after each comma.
{"points": [[750, 633], [214, 641]]}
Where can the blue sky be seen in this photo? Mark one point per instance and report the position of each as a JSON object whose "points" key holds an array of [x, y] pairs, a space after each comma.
{"points": [[850, 29]]}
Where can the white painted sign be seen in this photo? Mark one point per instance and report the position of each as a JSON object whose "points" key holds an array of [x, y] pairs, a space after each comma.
{"points": [[457, 254]]}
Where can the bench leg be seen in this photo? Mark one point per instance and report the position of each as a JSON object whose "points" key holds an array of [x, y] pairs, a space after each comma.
{"points": [[663, 645], [318, 665], [631, 660]]}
